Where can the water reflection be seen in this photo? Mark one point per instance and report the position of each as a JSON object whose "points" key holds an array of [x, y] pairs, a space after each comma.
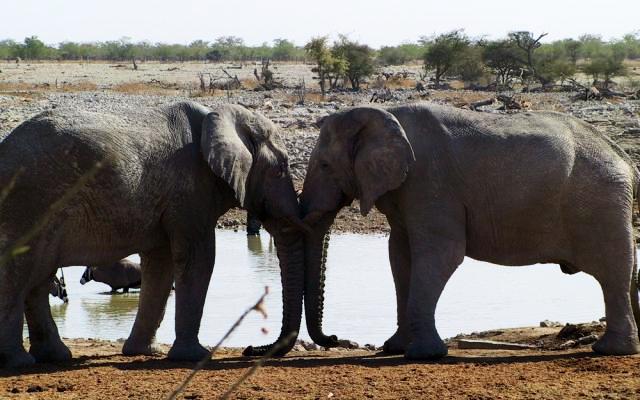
{"points": [[479, 296], [97, 308], [262, 254], [254, 244]]}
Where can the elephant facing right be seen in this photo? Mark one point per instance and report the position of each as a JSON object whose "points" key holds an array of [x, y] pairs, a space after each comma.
{"points": [[535, 187]]}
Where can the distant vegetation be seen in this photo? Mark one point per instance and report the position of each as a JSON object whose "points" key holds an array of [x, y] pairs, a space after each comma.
{"points": [[520, 57]]}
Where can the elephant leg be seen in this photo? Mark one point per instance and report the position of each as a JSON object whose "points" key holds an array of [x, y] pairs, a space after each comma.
{"points": [[12, 352], [621, 334], [400, 260], [431, 267], [44, 338], [157, 279], [193, 261]]}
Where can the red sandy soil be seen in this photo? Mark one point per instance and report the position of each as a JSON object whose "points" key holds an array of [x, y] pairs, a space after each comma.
{"points": [[98, 371]]}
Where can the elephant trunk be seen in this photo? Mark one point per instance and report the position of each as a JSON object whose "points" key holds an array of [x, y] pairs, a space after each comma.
{"points": [[290, 254], [316, 245]]}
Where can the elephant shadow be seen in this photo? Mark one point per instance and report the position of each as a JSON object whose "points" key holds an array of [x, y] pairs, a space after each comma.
{"points": [[308, 361]]}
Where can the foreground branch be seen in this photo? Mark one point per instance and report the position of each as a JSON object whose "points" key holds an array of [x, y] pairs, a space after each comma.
{"points": [[258, 306], [276, 347]]}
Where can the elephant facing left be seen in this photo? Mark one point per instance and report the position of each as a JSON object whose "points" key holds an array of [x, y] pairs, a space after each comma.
{"points": [[82, 188]]}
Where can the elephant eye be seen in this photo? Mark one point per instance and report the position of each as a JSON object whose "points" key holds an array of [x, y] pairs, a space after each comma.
{"points": [[324, 165]]}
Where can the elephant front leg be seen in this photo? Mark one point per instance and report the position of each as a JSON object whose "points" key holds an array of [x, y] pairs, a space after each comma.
{"points": [[157, 279], [194, 266], [12, 298], [400, 260], [430, 271]]}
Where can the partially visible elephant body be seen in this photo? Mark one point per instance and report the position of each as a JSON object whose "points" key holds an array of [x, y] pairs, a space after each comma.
{"points": [[123, 274], [90, 189], [534, 187]]}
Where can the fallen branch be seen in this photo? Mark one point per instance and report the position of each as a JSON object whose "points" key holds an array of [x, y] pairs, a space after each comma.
{"points": [[473, 106]]}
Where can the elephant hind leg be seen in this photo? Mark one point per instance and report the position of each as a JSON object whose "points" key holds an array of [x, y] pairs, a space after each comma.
{"points": [[44, 338], [621, 334], [157, 278]]}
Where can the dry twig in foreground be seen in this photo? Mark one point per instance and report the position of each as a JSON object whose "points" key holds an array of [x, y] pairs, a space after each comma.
{"points": [[259, 307]]}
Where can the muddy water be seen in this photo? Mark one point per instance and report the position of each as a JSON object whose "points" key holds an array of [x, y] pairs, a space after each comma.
{"points": [[360, 299]]}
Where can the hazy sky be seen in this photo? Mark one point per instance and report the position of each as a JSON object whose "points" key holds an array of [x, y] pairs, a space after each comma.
{"points": [[375, 22]]}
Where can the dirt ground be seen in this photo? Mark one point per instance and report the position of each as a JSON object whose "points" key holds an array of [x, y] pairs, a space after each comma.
{"points": [[99, 372]]}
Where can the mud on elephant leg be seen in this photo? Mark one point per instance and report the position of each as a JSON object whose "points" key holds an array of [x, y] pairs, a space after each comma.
{"points": [[157, 279], [431, 269], [44, 338], [193, 263], [400, 260]]}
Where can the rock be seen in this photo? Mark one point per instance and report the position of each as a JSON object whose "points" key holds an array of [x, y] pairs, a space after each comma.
{"points": [[35, 389], [567, 331], [492, 345], [298, 347], [549, 324], [307, 346], [371, 347], [348, 344]]}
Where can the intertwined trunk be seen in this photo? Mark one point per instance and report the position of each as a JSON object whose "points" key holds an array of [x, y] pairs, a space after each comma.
{"points": [[291, 257], [316, 245]]}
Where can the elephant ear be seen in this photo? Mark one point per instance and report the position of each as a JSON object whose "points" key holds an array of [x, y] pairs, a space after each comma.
{"points": [[226, 143], [381, 154]]}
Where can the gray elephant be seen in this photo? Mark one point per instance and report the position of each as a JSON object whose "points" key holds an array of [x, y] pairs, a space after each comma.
{"points": [[535, 187], [123, 274], [89, 189]]}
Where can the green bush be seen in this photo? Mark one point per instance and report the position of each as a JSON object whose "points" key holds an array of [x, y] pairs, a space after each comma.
{"points": [[444, 52], [358, 57]]}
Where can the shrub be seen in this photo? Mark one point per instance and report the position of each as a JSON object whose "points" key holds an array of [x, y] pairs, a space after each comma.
{"points": [[443, 53]]}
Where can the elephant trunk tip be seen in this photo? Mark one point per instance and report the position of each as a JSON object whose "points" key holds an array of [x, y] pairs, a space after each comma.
{"points": [[326, 340], [278, 349]]}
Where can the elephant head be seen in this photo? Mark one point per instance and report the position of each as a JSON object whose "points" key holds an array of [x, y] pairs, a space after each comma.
{"points": [[361, 153], [243, 149]]}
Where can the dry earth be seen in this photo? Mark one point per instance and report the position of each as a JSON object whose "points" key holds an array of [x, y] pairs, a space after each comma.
{"points": [[99, 372]]}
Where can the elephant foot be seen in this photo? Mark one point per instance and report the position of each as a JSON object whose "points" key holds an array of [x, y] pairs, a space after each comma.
{"points": [[133, 348], [615, 344], [190, 351], [426, 350], [54, 351], [396, 344], [16, 359]]}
